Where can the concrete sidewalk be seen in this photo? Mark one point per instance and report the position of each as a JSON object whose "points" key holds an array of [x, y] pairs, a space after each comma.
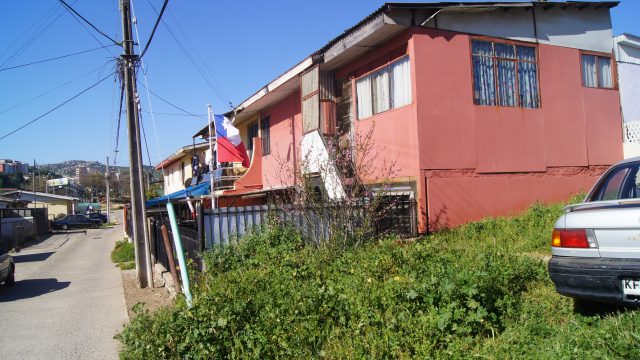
{"points": [[68, 300]]}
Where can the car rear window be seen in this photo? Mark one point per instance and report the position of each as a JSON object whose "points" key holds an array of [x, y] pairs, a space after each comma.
{"points": [[622, 182]]}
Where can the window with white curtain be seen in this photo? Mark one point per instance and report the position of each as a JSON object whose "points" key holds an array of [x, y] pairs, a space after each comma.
{"points": [[504, 74], [385, 89], [596, 71]]}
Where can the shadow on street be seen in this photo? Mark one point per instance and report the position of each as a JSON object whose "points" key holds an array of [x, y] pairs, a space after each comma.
{"points": [[26, 289], [32, 257]]}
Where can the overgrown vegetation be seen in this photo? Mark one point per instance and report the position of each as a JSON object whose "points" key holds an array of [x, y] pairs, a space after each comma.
{"points": [[124, 255], [479, 291]]}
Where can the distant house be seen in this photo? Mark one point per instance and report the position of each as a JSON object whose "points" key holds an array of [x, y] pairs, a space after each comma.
{"points": [[627, 51], [7, 202], [57, 205], [485, 107], [177, 169], [8, 166]]}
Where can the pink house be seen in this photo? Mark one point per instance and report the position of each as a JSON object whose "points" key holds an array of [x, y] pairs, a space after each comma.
{"points": [[484, 108]]}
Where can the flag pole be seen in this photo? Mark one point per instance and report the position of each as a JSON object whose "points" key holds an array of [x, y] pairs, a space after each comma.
{"points": [[212, 161]]}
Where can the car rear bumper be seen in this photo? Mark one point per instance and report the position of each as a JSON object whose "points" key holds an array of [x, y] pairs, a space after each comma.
{"points": [[598, 279]]}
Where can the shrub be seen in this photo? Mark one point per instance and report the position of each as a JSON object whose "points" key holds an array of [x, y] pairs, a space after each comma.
{"points": [[470, 292], [123, 252], [272, 296]]}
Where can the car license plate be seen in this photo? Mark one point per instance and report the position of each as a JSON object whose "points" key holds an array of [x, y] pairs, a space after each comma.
{"points": [[631, 286]]}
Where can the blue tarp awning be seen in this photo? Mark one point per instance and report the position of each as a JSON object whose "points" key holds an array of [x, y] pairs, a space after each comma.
{"points": [[196, 190]]}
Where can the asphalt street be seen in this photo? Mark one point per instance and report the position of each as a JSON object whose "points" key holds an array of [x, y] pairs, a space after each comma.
{"points": [[67, 302]]}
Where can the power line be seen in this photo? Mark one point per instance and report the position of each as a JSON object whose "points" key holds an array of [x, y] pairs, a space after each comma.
{"points": [[89, 23], [40, 29], [54, 58], [116, 150], [218, 91], [176, 114], [56, 108], [50, 90], [173, 105], [155, 26], [89, 32], [206, 68]]}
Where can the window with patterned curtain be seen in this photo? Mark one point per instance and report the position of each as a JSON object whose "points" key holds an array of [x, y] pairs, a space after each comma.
{"points": [[504, 74], [596, 71]]}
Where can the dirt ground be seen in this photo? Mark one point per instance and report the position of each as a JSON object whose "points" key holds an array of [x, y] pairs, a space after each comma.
{"points": [[153, 298]]}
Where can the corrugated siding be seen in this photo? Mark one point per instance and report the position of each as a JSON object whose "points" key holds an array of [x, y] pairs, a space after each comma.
{"points": [[628, 54], [309, 82], [311, 113], [327, 86]]}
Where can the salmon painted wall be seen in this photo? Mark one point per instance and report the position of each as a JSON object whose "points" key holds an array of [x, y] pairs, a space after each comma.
{"points": [[496, 160], [455, 200], [286, 124], [395, 130]]}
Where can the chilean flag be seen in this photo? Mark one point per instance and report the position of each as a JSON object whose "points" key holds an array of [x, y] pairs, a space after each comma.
{"points": [[230, 147]]}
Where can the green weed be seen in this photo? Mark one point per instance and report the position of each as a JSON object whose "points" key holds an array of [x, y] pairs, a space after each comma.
{"points": [[471, 292]]}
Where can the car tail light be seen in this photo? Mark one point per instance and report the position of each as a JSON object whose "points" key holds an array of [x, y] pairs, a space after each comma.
{"points": [[574, 238]]}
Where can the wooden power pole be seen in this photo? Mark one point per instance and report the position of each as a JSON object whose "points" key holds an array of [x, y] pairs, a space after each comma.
{"points": [[138, 211], [107, 177]]}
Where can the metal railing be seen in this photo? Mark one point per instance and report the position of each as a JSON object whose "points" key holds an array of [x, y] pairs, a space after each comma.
{"points": [[397, 216]]}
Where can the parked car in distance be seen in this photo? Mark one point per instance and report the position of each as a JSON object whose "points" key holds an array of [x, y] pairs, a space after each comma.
{"points": [[76, 221], [596, 244], [98, 216], [7, 270]]}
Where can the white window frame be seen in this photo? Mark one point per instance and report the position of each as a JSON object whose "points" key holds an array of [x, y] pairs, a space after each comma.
{"points": [[365, 94]]}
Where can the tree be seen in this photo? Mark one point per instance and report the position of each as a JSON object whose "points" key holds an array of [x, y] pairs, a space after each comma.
{"points": [[354, 202]]}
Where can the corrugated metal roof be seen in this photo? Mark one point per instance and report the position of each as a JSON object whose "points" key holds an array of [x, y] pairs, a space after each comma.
{"points": [[436, 6], [444, 5]]}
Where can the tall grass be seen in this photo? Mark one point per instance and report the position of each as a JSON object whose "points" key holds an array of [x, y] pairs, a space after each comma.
{"points": [[475, 291]]}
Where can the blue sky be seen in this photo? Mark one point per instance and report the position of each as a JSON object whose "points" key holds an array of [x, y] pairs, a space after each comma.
{"points": [[239, 46]]}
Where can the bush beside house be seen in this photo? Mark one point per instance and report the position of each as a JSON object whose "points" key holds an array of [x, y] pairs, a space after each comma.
{"points": [[481, 290]]}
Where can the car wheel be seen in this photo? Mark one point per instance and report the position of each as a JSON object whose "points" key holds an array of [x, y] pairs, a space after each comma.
{"points": [[64, 226], [12, 277]]}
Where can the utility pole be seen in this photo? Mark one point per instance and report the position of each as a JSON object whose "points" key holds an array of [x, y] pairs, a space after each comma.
{"points": [[107, 179], [138, 211], [35, 198]]}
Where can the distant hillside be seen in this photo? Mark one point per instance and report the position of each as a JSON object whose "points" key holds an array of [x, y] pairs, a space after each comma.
{"points": [[68, 168]]}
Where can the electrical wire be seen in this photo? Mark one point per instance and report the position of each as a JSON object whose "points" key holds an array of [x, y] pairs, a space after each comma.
{"points": [[217, 91], [146, 83], [88, 22], [89, 32], [56, 107], [155, 26], [50, 90], [175, 106], [144, 137], [176, 114], [54, 58], [44, 23], [207, 70], [116, 150]]}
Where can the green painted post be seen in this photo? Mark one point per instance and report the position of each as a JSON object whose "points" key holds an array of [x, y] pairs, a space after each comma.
{"points": [[181, 261]]}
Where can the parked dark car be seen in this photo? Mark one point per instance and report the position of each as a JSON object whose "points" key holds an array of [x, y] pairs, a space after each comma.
{"points": [[76, 221], [7, 270], [99, 216], [596, 244]]}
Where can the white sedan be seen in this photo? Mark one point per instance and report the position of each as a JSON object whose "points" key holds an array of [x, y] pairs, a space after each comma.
{"points": [[596, 244]]}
